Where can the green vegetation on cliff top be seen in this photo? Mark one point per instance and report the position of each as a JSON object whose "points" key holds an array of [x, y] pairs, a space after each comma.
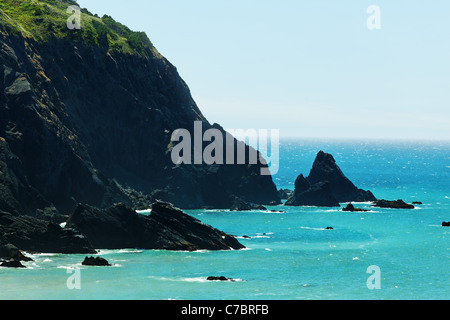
{"points": [[43, 20]]}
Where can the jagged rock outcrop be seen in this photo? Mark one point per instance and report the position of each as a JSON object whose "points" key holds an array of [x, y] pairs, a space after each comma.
{"points": [[326, 185], [35, 235], [166, 228], [284, 194], [11, 256], [326, 169], [11, 252], [319, 194], [95, 261], [241, 205]]}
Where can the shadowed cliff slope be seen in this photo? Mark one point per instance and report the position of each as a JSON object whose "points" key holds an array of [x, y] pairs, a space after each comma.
{"points": [[86, 116]]}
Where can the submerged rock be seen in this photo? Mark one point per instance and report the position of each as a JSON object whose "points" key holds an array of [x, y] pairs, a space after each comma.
{"points": [[166, 228], [396, 204]]}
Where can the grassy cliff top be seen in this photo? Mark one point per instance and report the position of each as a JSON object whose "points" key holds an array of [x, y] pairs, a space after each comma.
{"points": [[43, 20]]}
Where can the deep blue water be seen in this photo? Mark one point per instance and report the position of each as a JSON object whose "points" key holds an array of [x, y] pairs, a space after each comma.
{"points": [[290, 255]]}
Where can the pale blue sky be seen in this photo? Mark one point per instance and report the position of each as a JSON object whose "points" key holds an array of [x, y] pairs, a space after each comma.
{"points": [[308, 68]]}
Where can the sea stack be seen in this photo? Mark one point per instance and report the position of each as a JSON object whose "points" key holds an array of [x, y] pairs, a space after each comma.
{"points": [[305, 194], [326, 185]]}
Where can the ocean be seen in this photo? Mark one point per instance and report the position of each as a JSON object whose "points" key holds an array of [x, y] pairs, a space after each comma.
{"points": [[383, 254]]}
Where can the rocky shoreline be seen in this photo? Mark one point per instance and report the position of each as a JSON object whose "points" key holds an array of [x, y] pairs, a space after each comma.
{"points": [[118, 227], [167, 227], [87, 140]]}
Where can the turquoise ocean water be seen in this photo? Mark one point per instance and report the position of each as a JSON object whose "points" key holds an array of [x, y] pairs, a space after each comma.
{"points": [[289, 255]]}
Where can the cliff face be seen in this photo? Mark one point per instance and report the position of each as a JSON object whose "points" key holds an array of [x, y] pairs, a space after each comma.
{"points": [[82, 123]]}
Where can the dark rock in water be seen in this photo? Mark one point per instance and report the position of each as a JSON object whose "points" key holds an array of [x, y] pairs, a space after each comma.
{"points": [[326, 169], [417, 202], [326, 186], [166, 228], [31, 234], [446, 224], [319, 194], [220, 278], [329, 228], [12, 264], [9, 251], [284, 194], [350, 207], [114, 228], [175, 230], [95, 261], [241, 205], [258, 207], [396, 204]]}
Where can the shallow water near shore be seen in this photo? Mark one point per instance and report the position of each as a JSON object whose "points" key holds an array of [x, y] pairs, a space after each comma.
{"points": [[290, 254]]}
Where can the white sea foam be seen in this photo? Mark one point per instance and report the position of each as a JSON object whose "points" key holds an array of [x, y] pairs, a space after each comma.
{"points": [[114, 251], [147, 211], [42, 254], [310, 228], [36, 256], [264, 235], [72, 267], [130, 251]]}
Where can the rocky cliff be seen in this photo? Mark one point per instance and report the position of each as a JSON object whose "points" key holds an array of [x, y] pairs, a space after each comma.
{"points": [[86, 116], [166, 228], [326, 185]]}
